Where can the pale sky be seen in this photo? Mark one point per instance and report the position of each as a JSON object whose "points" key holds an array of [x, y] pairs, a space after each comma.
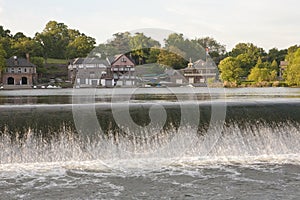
{"points": [[266, 23]]}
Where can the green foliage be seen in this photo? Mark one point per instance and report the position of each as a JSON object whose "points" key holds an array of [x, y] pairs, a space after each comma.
{"points": [[216, 50], [2, 58], [58, 41], [290, 52], [121, 42], [6, 41], [247, 54], [80, 46], [38, 61], [153, 55], [292, 72], [23, 45], [54, 39], [277, 55], [140, 47], [191, 48], [144, 49], [231, 70], [172, 57], [263, 71], [274, 66]]}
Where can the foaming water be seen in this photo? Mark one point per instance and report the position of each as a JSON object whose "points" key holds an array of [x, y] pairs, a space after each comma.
{"points": [[260, 159], [259, 142]]}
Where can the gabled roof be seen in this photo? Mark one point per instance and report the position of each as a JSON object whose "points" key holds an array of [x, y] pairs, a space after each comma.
{"points": [[117, 57], [199, 64], [18, 62]]}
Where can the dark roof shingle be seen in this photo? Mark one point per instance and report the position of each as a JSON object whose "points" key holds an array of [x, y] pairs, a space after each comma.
{"points": [[18, 62]]}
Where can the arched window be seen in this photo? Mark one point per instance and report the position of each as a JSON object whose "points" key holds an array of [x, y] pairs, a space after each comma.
{"points": [[24, 80], [10, 81]]}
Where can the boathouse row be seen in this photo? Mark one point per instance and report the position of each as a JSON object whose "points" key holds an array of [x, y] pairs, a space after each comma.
{"points": [[19, 72]]}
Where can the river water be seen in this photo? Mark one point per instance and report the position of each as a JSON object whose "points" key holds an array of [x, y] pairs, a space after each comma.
{"points": [[150, 143]]}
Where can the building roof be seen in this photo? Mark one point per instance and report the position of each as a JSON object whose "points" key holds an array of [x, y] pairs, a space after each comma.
{"points": [[18, 62], [79, 61], [114, 59], [199, 64]]}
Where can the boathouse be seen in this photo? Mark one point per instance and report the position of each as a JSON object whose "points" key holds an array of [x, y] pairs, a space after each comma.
{"points": [[19, 73]]}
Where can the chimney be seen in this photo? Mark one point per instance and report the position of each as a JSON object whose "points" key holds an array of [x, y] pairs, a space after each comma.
{"points": [[16, 60], [27, 57]]}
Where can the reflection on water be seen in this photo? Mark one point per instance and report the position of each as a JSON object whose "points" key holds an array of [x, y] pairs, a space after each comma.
{"points": [[64, 96]]}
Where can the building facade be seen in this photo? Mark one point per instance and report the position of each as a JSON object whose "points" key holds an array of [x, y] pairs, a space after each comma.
{"points": [[123, 70], [200, 72], [19, 73], [96, 72], [87, 72]]}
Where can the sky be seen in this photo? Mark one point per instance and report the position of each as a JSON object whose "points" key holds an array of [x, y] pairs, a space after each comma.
{"points": [[266, 23]]}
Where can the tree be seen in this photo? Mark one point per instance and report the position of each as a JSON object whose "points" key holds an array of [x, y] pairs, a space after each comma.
{"points": [[191, 48], [261, 74], [81, 46], [263, 71], [277, 55], [5, 33], [54, 40], [153, 55], [290, 52], [172, 57], [247, 54], [24, 45], [292, 72], [19, 35], [2, 59], [216, 50], [120, 42], [274, 66], [6, 41], [140, 47], [58, 41], [230, 70]]}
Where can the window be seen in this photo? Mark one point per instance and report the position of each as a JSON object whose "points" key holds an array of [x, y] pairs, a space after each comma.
{"points": [[12, 70], [92, 74], [82, 81], [19, 71], [123, 60], [25, 70]]}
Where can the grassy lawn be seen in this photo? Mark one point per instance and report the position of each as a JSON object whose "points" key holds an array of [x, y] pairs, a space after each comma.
{"points": [[56, 61]]}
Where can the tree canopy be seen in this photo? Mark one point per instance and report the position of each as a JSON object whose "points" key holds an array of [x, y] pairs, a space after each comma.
{"points": [[2, 58], [231, 70], [58, 41], [292, 72], [263, 71]]}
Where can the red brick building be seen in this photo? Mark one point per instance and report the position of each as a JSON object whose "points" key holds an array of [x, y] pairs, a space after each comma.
{"points": [[19, 73]]}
